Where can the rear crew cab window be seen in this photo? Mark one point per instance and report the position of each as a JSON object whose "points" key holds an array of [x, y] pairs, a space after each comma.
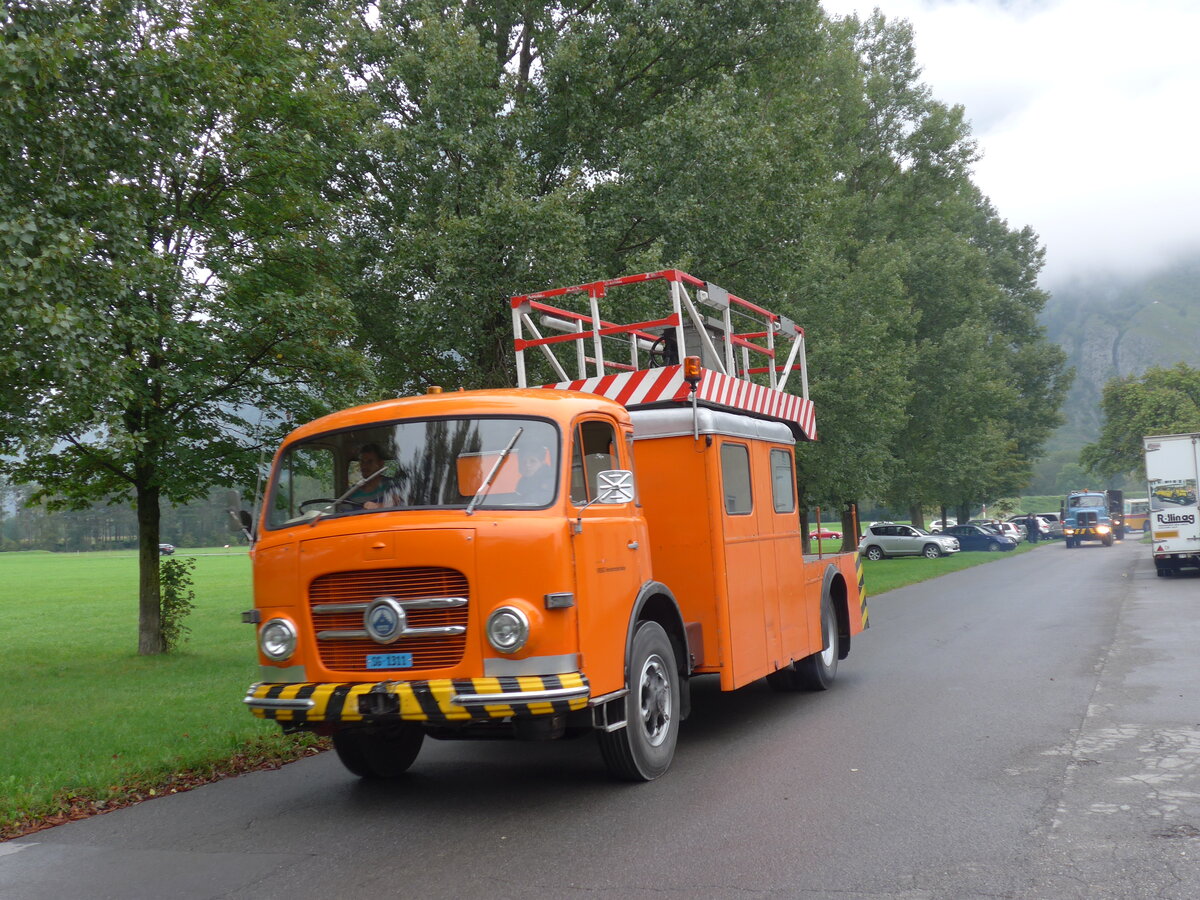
{"points": [[783, 483], [735, 479]]}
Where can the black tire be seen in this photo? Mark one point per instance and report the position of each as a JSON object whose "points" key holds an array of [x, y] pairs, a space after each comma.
{"points": [[815, 672], [378, 752], [644, 748], [1108, 541], [931, 551], [874, 553], [993, 547]]}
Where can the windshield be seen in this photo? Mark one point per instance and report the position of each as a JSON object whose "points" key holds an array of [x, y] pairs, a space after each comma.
{"points": [[417, 464]]}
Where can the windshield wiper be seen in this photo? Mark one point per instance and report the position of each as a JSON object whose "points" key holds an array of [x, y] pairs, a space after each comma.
{"points": [[491, 476], [350, 490]]}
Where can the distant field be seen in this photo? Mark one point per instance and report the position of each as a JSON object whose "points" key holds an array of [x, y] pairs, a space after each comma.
{"points": [[84, 716]]}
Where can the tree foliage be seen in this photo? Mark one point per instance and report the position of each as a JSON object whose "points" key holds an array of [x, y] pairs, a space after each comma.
{"points": [[1161, 401], [167, 183]]}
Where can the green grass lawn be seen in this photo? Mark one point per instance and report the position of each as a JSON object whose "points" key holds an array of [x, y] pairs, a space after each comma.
{"points": [[84, 719], [889, 574]]}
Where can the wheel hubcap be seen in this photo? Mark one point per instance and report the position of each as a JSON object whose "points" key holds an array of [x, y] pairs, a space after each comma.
{"points": [[654, 689]]}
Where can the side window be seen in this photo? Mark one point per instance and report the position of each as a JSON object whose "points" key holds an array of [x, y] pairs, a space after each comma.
{"points": [[307, 473], [783, 483], [595, 451], [735, 479]]}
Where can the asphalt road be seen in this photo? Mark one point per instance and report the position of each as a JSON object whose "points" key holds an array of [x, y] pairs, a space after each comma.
{"points": [[1025, 729]]}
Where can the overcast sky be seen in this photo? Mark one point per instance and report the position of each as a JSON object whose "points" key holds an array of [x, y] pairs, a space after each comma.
{"points": [[1087, 114]]}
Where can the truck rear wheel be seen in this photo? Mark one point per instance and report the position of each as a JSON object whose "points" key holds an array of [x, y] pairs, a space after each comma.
{"points": [[815, 672], [644, 748], [378, 752]]}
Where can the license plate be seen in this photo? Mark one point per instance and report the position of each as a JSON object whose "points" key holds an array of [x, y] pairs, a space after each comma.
{"points": [[389, 660]]}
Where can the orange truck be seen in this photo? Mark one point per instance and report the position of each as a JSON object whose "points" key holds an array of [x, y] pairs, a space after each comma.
{"points": [[544, 562]]}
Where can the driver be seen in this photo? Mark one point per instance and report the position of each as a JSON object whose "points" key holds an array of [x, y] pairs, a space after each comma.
{"points": [[371, 494], [537, 478]]}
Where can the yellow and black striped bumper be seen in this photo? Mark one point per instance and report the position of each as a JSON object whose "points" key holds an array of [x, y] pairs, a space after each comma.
{"points": [[442, 700]]}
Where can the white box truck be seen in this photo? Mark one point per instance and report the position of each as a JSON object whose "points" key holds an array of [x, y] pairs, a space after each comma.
{"points": [[1172, 468]]}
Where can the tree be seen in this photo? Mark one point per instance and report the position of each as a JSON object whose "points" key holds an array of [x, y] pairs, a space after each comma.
{"points": [[520, 146], [168, 172], [984, 383], [1161, 401]]}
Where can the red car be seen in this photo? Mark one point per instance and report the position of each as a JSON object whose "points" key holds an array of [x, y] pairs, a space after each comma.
{"points": [[825, 534]]}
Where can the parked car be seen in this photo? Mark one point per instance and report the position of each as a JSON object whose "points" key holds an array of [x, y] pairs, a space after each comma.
{"points": [[1014, 530], [884, 539], [940, 525], [826, 534], [166, 549], [1046, 528], [1053, 524], [981, 537]]}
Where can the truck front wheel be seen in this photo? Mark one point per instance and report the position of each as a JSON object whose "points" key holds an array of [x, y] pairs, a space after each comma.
{"points": [[644, 748], [378, 752]]}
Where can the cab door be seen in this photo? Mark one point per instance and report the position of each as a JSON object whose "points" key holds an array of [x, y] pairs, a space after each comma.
{"points": [[612, 556]]}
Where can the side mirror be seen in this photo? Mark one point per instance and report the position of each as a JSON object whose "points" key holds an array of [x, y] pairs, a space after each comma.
{"points": [[244, 523], [614, 486]]}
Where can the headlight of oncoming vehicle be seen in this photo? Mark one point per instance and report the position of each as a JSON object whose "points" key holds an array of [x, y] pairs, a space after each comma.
{"points": [[277, 639], [508, 629], [1102, 529]]}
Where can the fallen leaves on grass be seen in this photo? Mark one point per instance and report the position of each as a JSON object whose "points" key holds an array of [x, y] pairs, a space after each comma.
{"points": [[253, 757]]}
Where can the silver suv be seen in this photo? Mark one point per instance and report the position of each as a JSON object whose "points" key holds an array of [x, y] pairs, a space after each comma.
{"points": [[885, 539]]}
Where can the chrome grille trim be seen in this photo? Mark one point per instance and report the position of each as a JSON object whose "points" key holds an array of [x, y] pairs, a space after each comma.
{"points": [[407, 632], [425, 603]]}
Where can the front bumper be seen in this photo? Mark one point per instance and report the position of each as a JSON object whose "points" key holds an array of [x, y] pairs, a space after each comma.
{"points": [[434, 702]]}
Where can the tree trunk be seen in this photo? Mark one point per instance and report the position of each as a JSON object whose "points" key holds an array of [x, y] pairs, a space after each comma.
{"points": [[150, 638], [964, 514], [851, 527], [804, 529], [916, 515]]}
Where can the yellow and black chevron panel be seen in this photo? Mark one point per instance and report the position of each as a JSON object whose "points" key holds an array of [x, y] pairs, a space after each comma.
{"points": [[862, 592], [419, 701]]}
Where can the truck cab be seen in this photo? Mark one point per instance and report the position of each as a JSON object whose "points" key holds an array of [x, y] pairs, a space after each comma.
{"points": [[1086, 517]]}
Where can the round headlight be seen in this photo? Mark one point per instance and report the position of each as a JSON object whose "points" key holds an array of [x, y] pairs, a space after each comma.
{"points": [[508, 629], [277, 639]]}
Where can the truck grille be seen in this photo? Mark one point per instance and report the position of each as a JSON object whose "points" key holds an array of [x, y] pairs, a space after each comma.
{"points": [[1087, 520], [356, 589]]}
